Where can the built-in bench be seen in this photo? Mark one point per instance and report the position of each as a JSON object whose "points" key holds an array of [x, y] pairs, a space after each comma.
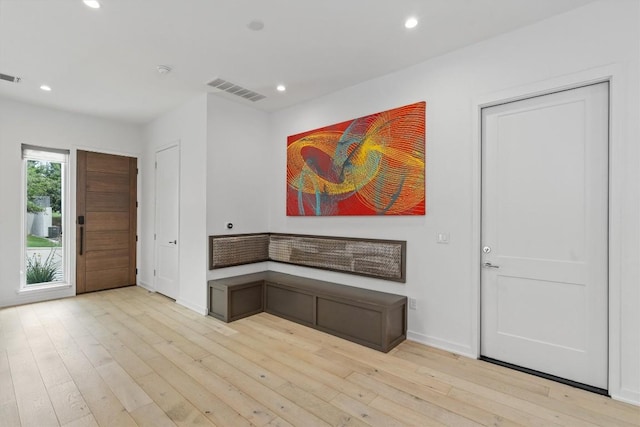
{"points": [[382, 259], [371, 318], [375, 319]]}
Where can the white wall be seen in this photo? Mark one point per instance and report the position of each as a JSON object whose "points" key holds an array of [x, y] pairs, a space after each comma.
{"points": [[224, 156], [27, 124], [239, 160], [188, 126], [444, 277], [233, 162]]}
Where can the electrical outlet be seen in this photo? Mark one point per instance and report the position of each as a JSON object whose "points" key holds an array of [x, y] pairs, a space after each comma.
{"points": [[413, 304], [442, 238]]}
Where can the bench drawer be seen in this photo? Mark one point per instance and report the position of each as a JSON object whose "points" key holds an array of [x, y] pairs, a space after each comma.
{"points": [[374, 319], [290, 304], [358, 324], [233, 302]]}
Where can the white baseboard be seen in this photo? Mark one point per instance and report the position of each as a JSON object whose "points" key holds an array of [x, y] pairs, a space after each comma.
{"points": [[627, 396], [145, 286], [462, 350], [193, 307], [624, 395]]}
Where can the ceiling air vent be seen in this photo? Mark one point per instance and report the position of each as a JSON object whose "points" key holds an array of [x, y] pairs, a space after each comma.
{"points": [[7, 77], [234, 89]]}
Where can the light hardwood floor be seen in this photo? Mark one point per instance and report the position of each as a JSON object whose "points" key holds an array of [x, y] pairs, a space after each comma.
{"points": [[128, 357]]}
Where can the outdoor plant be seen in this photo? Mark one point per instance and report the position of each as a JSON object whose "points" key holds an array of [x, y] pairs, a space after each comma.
{"points": [[32, 207], [39, 271]]}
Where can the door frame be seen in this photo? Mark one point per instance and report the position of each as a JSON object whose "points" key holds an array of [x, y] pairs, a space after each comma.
{"points": [[73, 172], [616, 78], [593, 375], [173, 144]]}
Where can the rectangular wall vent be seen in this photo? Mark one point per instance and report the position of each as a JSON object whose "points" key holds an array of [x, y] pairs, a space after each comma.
{"points": [[7, 77], [234, 89]]}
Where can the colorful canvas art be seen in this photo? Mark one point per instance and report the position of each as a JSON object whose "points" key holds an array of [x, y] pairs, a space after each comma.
{"points": [[374, 165]]}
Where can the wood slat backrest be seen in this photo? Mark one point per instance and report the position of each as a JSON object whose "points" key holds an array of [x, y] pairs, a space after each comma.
{"points": [[383, 259]]}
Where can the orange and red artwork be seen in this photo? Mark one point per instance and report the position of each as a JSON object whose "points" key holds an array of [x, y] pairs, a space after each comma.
{"points": [[374, 165]]}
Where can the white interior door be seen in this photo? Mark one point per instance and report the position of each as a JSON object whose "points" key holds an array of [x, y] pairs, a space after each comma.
{"points": [[167, 215], [544, 280]]}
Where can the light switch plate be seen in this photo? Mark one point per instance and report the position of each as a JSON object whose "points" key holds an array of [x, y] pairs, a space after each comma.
{"points": [[442, 238]]}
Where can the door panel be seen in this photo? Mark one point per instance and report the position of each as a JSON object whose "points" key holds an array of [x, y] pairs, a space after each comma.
{"points": [[107, 202], [106, 199], [100, 162], [518, 300], [101, 260], [544, 220], [107, 182], [108, 279], [106, 240], [167, 220], [107, 221]]}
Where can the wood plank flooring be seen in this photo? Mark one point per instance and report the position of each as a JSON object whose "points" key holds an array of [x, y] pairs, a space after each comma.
{"points": [[127, 357]]}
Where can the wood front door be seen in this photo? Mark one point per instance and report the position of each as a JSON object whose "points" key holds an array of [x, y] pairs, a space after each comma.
{"points": [[105, 222]]}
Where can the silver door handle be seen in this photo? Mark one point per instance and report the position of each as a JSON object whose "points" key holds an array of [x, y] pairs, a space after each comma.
{"points": [[489, 265]]}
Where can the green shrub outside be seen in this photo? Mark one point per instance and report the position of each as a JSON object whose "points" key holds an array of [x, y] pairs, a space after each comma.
{"points": [[39, 271]]}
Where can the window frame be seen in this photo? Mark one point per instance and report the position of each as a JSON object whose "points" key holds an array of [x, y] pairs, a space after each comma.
{"points": [[29, 152]]}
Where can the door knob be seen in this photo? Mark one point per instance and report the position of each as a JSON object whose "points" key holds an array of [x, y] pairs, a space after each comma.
{"points": [[489, 265], [175, 242]]}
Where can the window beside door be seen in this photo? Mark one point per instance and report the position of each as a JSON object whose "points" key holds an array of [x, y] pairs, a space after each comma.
{"points": [[45, 249]]}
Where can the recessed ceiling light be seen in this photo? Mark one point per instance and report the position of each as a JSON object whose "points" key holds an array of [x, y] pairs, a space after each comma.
{"points": [[46, 88], [281, 88], [163, 69], [94, 4], [255, 25], [411, 22]]}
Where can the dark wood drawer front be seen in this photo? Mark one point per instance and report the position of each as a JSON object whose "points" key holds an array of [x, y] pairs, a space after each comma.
{"points": [[245, 302], [218, 304], [375, 319], [396, 324], [232, 301], [350, 321], [293, 305]]}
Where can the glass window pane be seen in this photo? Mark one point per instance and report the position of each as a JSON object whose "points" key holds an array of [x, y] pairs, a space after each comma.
{"points": [[44, 261]]}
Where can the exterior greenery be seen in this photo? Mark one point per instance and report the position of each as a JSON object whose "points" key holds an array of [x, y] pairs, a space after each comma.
{"points": [[39, 271], [41, 242], [44, 189], [44, 179]]}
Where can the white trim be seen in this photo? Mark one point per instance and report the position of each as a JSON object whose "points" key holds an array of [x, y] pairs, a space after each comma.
{"points": [[614, 74], [194, 307], [177, 144], [64, 158], [144, 285], [453, 347], [123, 153], [38, 296], [627, 396], [45, 287]]}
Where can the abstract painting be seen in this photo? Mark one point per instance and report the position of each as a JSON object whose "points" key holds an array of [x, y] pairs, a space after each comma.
{"points": [[374, 165]]}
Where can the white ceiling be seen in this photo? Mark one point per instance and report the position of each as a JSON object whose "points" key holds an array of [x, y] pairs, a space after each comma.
{"points": [[103, 62]]}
